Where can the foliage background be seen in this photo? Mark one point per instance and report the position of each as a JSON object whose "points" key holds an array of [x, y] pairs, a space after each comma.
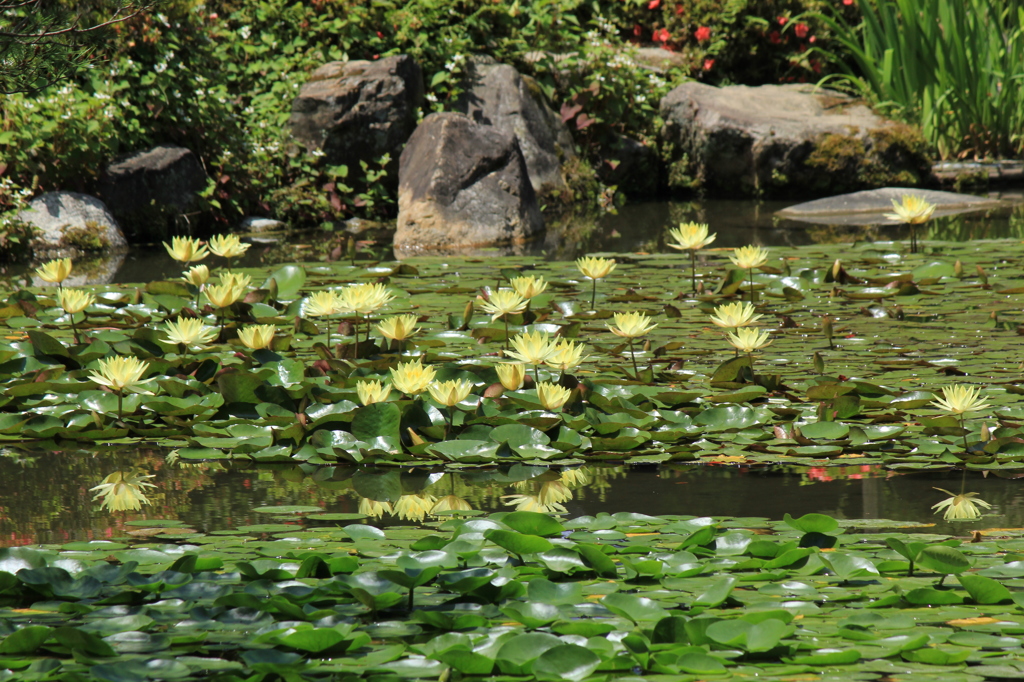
{"points": [[220, 77]]}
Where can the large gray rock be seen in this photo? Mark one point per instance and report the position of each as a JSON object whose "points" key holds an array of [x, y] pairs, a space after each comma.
{"points": [[358, 110], [497, 95], [71, 225], [871, 206], [778, 140], [463, 184], [148, 190]]}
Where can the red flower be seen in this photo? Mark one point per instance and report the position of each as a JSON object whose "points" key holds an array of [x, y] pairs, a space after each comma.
{"points": [[637, 30], [801, 30], [654, 4], [782, 21], [661, 35], [847, 2], [702, 34], [379, 34], [709, 64], [679, 9], [774, 38], [812, 39]]}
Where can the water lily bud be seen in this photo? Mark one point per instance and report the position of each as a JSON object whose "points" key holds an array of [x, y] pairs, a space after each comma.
{"points": [[958, 269], [819, 363], [511, 375]]}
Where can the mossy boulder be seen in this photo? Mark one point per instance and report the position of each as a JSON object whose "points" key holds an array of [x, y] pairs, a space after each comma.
{"points": [[70, 225], [784, 141]]}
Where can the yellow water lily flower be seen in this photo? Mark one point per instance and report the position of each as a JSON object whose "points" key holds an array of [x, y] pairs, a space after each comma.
{"points": [[197, 275], [962, 507], [189, 331], [370, 392], [450, 503], [223, 295], [374, 508], [631, 325], [511, 375], [75, 300], [186, 249], [398, 327], [123, 491], [528, 286], [323, 303], [414, 507], [503, 302], [961, 398], [257, 336], [594, 267], [913, 210], [365, 298], [749, 339], [228, 245], [120, 372], [735, 315], [450, 393], [533, 348], [413, 377], [55, 271], [552, 396], [748, 257], [567, 355], [236, 280], [690, 236]]}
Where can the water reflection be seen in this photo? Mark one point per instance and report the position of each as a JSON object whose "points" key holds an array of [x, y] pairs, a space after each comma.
{"points": [[48, 497], [639, 227]]}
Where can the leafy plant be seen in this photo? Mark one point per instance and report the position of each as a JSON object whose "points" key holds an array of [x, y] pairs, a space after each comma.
{"points": [[944, 64]]}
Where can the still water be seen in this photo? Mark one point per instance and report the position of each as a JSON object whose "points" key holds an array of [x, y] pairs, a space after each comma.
{"points": [[46, 496], [638, 227]]}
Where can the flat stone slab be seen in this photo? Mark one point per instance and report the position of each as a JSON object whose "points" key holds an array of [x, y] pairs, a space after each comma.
{"points": [[870, 206]]}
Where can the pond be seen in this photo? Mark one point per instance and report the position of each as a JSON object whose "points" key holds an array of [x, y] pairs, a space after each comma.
{"points": [[46, 495]]}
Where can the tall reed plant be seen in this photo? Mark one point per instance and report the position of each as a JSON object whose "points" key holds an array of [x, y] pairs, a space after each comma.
{"points": [[954, 67]]}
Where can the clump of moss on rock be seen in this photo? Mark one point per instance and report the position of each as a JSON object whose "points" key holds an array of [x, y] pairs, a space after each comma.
{"points": [[892, 155], [91, 237]]}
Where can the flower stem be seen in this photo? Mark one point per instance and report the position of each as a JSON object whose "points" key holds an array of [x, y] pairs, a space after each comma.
{"points": [[632, 356], [120, 413], [505, 316], [693, 270], [965, 439], [593, 295]]}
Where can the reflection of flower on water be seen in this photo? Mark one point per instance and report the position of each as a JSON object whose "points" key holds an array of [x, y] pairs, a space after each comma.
{"points": [[546, 497], [414, 507], [451, 503], [374, 508], [449, 494], [842, 473], [122, 491], [575, 477]]}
